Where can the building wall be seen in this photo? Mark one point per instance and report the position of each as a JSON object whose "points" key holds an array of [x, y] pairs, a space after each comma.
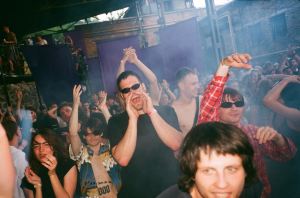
{"points": [[130, 26], [253, 26]]}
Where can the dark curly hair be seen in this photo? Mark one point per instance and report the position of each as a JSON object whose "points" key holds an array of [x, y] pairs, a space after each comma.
{"points": [[214, 136], [56, 143]]}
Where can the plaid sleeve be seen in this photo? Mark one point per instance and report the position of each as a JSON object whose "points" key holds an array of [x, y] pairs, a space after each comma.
{"points": [[280, 154], [211, 99], [275, 152]]}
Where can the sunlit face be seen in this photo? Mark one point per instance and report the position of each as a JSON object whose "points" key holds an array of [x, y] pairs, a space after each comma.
{"points": [[65, 113], [137, 95], [219, 176], [41, 148], [232, 115], [189, 85], [92, 139]]}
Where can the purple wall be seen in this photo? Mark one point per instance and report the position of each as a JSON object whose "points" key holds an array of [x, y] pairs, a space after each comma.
{"points": [[179, 46]]}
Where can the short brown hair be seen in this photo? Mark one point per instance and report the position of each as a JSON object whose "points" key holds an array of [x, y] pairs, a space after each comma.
{"points": [[213, 136]]}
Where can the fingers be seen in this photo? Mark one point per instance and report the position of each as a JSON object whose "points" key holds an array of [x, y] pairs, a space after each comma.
{"points": [[49, 162], [265, 134], [238, 61], [77, 91], [128, 99]]}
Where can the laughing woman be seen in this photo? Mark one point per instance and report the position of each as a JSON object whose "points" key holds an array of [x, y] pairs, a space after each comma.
{"points": [[51, 172]]}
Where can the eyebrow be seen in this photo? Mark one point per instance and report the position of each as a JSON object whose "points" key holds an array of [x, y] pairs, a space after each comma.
{"points": [[36, 142]]}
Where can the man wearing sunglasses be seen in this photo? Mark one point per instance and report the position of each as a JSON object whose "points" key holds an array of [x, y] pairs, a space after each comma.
{"points": [[228, 106], [143, 139]]}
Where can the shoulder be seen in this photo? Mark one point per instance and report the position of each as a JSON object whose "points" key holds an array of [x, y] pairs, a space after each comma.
{"points": [[119, 117], [164, 109], [173, 192], [66, 165]]}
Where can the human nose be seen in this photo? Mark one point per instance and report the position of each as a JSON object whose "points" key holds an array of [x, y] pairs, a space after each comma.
{"points": [[222, 180]]}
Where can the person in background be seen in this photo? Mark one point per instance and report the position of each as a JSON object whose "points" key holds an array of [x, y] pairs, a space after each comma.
{"points": [[10, 54], [284, 100], [99, 172], [187, 104], [14, 136], [50, 173], [216, 160], [7, 170], [40, 41]]}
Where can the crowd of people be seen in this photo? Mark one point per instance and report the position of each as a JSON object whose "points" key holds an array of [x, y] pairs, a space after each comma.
{"points": [[229, 135]]}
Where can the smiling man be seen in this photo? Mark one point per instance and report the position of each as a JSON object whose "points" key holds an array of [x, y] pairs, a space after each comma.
{"points": [[216, 161], [143, 140]]}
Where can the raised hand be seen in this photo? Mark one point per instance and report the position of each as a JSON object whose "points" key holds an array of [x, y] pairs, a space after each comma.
{"points": [[165, 85], [76, 94], [19, 95], [32, 178], [237, 61], [126, 53], [131, 111], [102, 96], [49, 162], [132, 56], [147, 104], [265, 134]]}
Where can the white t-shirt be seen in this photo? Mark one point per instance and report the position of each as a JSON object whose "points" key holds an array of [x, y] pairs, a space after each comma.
{"points": [[20, 164]]}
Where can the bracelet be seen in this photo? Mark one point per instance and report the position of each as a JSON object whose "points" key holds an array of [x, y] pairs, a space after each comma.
{"points": [[37, 185], [51, 172], [151, 112]]}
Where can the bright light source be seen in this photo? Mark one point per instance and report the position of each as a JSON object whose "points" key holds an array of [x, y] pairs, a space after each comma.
{"points": [[201, 3]]}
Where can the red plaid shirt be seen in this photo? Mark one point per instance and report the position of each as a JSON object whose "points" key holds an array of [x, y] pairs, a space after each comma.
{"points": [[210, 105]]}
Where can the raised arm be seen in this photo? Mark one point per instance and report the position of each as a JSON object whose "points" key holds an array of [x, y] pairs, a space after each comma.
{"points": [[212, 95], [73, 124], [170, 136], [271, 100], [166, 88], [123, 61], [7, 170], [151, 77], [19, 96], [52, 112], [124, 150], [102, 95]]}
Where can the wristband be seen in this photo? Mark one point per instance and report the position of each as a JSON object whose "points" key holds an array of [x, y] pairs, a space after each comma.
{"points": [[51, 172], [151, 112], [37, 185]]}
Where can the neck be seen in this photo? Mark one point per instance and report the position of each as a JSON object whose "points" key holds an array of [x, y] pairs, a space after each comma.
{"points": [[14, 142], [195, 193], [185, 99], [95, 148]]}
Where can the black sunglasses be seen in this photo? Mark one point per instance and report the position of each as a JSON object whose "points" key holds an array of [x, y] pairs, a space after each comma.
{"points": [[128, 89], [239, 103]]}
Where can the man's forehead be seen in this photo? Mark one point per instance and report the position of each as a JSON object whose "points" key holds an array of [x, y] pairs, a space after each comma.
{"points": [[231, 98], [129, 80], [213, 157]]}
